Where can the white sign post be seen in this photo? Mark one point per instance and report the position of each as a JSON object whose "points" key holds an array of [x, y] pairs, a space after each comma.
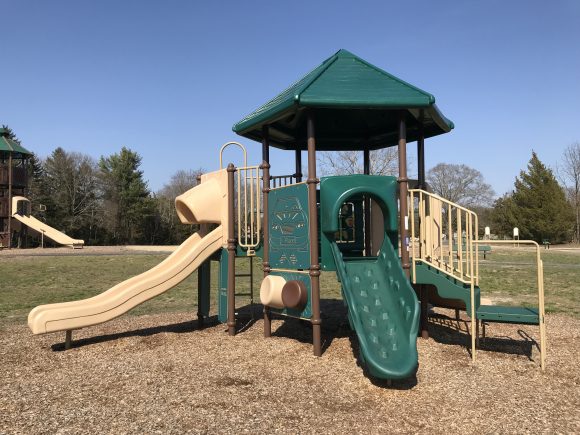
{"points": [[516, 235]]}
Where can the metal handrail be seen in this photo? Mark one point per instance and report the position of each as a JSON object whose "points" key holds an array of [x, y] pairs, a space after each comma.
{"points": [[430, 234], [227, 144], [540, 282]]}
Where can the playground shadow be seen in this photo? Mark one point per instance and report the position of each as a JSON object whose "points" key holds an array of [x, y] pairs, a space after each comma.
{"points": [[335, 325], [455, 332], [176, 328]]}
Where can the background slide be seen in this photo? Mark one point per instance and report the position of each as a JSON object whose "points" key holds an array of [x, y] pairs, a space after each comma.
{"points": [[128, 294], [50, 232], [383, 310]]}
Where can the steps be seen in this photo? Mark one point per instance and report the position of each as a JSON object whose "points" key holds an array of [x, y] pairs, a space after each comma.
{"points": [[448, 287], [501, 314], [451, 288]]}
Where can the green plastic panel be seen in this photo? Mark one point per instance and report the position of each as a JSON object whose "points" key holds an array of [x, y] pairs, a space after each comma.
{"points": [[383, 310], [288, 219], [335, 191], [306, 313], [223, 287], [204, 272]]}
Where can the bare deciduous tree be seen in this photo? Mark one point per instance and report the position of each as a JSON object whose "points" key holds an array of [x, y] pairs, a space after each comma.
{"points": [[382, 162], [460, 184], [71, 180], [180, 182], [570, 173]]}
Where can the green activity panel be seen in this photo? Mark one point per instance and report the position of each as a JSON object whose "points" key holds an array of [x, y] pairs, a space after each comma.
{"points": [[288, 220]]}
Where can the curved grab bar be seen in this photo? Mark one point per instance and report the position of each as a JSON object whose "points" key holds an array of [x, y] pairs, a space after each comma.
{"points": [[227, 144]]}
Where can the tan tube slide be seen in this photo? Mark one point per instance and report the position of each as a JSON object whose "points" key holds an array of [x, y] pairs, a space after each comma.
{"points": [[179, 265]]}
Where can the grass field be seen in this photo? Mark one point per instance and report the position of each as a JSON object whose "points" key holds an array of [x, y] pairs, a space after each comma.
{"points": [[507, 277]]}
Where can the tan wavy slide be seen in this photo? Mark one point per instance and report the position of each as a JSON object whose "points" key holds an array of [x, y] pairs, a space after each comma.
{"points": [[202, 204], [48, 231]]}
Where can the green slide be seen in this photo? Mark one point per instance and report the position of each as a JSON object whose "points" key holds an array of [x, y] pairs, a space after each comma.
{"points": [[382, 309]]}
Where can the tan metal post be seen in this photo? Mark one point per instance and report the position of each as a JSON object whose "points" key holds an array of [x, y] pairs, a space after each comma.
{"points": [[403, 189], [312, 181], [231, 253], [266, 224]]}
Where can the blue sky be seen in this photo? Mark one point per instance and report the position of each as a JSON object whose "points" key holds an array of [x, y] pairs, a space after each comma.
{"points": [[169, 79]]}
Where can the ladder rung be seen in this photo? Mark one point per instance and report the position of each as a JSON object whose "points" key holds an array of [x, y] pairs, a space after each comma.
{"points": [[243, 275], [243, 294]]}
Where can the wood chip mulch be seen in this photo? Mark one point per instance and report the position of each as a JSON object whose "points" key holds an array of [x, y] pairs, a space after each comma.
{"points": [[160, 374]]}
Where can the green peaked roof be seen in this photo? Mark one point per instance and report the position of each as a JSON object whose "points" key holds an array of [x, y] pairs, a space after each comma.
{"points": [[11, 146], [356, 105]]}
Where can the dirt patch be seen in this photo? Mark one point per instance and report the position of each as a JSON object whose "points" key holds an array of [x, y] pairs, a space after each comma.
{"points": [[86, 251], [159, 374]]}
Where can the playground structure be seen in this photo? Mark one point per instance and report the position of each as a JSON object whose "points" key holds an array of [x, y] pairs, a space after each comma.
{"points": [[390, 246], [13, 181], [15, 212]]}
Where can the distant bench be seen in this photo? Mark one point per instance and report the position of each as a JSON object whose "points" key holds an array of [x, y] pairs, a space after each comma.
{"points": [[485, 249]]}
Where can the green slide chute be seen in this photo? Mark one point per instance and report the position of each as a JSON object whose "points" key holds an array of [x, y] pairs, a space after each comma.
{"points": [[382, 309]]}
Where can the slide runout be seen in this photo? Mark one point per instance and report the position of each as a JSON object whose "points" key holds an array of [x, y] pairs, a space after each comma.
{"points": [[128, 294], [383, 310]]}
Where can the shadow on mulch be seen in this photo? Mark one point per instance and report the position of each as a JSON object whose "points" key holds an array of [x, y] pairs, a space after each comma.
{"points": [[451, 331], [335, 325], [177, 328]]}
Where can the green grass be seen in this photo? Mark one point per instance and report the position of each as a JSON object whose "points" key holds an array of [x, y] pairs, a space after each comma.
{"points": [[31, 281], [507, 276]]}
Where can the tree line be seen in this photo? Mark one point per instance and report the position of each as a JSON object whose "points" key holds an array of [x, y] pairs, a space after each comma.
{"points": [[544, 204], [106, 201]]}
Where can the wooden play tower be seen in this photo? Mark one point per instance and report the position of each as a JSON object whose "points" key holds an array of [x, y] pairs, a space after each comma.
{"points": [[13, 182]]}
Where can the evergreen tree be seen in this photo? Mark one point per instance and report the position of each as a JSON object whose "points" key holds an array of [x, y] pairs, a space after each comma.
{"points": [[538, 206], [129, 209], [11, 134], [38, 193]]}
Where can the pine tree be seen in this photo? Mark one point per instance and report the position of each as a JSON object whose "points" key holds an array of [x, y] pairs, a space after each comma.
{"points": [[538, 205], [127, 201]]}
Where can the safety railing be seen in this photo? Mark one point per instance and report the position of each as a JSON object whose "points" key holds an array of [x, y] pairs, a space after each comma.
{"points": [[540, 285], [443, 235], [248, 201], [249, 205], [277, 181]]}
